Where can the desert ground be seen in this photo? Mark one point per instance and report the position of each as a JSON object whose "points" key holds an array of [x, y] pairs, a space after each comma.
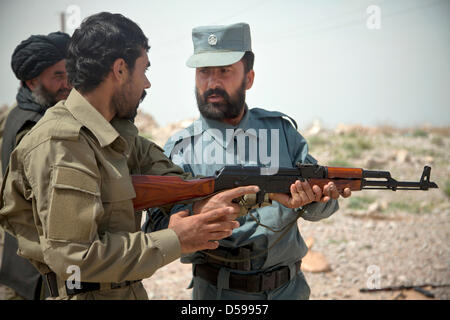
{"points": [[377, 238]]}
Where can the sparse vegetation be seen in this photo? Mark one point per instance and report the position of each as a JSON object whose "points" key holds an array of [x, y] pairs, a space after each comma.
{"points": [[355, 146], [419, 133], [402, 151], [410, 206], [360, 202], [315, 142], [438, 141], [337, 242], [339, 163], [447, 188]]}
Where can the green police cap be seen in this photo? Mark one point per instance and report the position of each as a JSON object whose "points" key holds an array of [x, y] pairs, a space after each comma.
{"points": [[219, 45]]}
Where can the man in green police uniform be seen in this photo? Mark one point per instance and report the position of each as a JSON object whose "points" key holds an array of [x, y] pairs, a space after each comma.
{"points": [[67, 194]]}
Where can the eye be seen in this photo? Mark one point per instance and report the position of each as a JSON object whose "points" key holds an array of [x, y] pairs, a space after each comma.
{"points": [[203, 72]]}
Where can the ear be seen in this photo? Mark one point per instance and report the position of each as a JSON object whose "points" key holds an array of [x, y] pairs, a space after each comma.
{"points": [[250, 78], [120, 70], [32, 83]]}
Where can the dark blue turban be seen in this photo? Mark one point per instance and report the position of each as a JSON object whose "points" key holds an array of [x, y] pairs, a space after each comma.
{"points": [[37, 53]]}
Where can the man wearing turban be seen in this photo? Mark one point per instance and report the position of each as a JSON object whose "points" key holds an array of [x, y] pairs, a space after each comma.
{"points": [[39, 63]]}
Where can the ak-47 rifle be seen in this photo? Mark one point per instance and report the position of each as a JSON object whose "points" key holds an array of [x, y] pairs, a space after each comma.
{"points": [[155, 191]]}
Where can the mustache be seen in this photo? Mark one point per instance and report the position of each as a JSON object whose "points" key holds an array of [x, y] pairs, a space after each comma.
{"points": [[63, 91], [218, 92]]}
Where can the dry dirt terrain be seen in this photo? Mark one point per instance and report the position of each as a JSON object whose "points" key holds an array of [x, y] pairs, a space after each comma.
{"points": [[377, 238]]}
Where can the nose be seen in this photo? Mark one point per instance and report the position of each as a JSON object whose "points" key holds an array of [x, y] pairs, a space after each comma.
{"points": [[147, 84], [214, 80]]}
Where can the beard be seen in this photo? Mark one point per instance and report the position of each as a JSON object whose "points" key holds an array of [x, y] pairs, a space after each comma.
{"points": [[229, 108], [46, 98], [125, 106]]}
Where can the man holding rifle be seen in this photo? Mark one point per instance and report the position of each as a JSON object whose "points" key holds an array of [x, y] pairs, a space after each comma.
{"points": [[262, 258], [67, 194]]}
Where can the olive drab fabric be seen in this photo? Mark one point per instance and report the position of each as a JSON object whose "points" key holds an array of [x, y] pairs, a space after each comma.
{"points": [[67, 197], [17, 272]]}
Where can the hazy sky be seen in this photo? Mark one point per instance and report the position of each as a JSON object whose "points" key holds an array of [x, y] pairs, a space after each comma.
{"points": [[313, 59]]}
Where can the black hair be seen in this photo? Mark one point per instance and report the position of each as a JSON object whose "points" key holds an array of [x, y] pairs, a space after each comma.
{"points": [[248, 59], [97, 43]]}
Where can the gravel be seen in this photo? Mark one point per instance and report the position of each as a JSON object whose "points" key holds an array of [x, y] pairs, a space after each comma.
{"points": [[402, 248]]}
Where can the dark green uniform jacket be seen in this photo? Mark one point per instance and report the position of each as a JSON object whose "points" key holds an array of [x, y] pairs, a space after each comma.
{"points": [[16, 272]]}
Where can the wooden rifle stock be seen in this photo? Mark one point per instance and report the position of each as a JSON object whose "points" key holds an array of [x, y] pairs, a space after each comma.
{"points": [[155, 191]]}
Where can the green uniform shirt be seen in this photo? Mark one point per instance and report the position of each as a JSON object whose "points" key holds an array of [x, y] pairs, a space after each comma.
{"points": [[67, 196]]}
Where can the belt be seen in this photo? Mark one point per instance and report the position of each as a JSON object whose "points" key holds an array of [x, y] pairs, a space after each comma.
{"points": [[258, 282], [231, 258], [83, 286]]}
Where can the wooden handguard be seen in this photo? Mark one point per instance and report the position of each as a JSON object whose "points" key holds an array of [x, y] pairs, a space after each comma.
{"points": [[154, 191], [344, 173], [342, 178], [354, 185]]}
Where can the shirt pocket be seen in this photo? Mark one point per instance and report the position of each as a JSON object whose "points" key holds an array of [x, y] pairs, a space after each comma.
{"points": [[74, 205], [117, 195]]}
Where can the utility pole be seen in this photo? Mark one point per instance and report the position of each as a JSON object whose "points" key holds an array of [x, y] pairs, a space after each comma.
{"points": [[62, 16]]}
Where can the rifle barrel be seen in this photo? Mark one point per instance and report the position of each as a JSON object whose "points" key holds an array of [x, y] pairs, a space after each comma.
{"points": [[390, 183]]}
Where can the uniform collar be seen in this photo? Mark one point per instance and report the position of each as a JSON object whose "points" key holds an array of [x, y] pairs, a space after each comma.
{"points": [[218, 130], [84, 112]]}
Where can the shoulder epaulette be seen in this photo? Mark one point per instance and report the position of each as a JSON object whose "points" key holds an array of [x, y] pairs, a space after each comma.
{"points": [[58, 123], [262, 113]]}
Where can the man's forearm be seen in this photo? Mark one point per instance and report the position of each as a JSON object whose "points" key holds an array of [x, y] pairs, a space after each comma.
{"points": [[317, 210]]}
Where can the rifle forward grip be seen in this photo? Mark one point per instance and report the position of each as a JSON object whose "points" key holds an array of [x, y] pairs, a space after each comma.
{"points": [[341, 184], [340, 172]]}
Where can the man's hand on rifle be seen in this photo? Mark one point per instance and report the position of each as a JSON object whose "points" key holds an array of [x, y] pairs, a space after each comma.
{"points": [[214, 220], [200, 232], [224, 199], [302, 194]]}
